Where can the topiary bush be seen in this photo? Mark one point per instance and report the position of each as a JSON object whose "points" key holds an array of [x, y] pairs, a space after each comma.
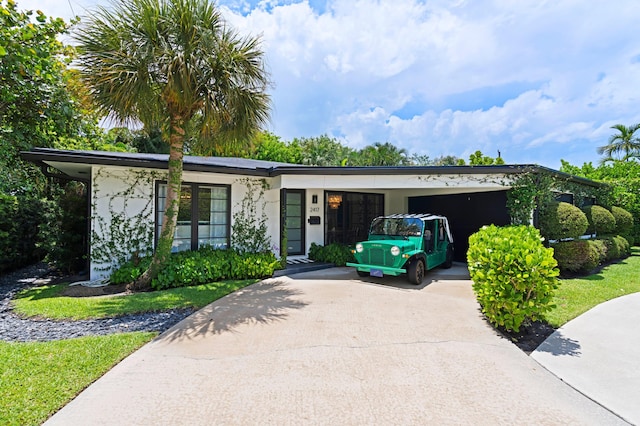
{"points": [[624, 223], [576, 256], [336, 253], [560, 220], [601, 221], [514, 275]]}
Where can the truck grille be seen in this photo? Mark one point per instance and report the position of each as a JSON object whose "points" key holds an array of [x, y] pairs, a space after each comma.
{"points": [[380, 256]]}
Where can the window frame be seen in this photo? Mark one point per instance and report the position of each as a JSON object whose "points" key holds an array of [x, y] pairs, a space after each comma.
{"points": [[195, 194]]}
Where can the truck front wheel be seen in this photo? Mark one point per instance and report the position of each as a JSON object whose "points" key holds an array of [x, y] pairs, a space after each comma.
{"points": [[416, 272]]}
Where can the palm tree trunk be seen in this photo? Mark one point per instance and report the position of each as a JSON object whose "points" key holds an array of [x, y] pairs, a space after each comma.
{"points": [[170, 219]]}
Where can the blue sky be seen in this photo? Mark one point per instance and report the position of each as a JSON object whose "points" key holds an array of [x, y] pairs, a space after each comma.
{"points": [[538, 80]]}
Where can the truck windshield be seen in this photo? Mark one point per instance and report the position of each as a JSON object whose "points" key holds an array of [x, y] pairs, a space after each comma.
{"points": [[402, 227]]}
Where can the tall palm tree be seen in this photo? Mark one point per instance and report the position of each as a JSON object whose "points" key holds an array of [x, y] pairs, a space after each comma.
{"points": [[168, 63], [625, 142]]}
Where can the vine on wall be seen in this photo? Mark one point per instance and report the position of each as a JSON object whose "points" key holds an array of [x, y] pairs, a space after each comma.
{"points": [[122, 234], [249, 229]]}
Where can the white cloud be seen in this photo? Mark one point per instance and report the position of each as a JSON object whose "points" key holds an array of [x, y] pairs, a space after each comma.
{"points": [[539, 80]]}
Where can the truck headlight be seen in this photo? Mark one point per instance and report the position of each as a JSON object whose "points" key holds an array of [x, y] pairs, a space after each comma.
{"points": [[359, 248], [395, 250]]}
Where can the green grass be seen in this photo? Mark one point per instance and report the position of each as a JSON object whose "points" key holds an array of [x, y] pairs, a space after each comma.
{"points": [[37, 379], [46, 302], [576, 296]]}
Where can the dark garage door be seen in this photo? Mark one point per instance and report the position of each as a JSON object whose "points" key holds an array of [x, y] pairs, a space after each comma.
{"points": [[466, 213]]}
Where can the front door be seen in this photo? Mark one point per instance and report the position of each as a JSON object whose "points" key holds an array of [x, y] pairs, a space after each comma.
{"points": [[294, 221]]}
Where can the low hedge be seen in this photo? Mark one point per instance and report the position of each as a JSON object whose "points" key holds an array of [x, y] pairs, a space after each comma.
{"points": [[203, 266], [514, 275], [336, 253], [577, 255], [583, 256]]}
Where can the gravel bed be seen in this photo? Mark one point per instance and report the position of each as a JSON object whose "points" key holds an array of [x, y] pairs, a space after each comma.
{"points": [[16, 329]]}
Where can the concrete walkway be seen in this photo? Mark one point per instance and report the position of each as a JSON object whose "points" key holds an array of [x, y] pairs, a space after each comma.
{"points": [[325, 347], [598, 353]]}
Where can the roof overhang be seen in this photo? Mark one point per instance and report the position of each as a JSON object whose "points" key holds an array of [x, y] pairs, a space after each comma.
{"points": [[78, 164]]}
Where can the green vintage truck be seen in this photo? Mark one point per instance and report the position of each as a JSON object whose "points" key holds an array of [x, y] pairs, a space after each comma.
{"points": [[404, 244]]}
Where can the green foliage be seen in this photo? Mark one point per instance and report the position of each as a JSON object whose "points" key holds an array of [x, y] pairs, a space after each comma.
{"points": [[528, 191], [514, 275], [121, 234], [249, 229], [624, 222], [624, 145], [21, 218], [130, 270], [559, 220], [64, 231], [601, 221], [479, 159], [379, 154], [617, 246], [623, 178], [576, 256], [209, 265], [336, 253]]}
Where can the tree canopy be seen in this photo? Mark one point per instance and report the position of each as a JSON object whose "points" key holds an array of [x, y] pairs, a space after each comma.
{"points": [[175, 65]]}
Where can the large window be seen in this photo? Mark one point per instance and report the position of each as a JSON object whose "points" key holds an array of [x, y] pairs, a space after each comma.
{"points": [[203, 218], [348, 215]]}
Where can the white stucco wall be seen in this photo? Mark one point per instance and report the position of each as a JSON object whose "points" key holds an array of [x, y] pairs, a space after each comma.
{"points": [[109, 183], [117, 191]]}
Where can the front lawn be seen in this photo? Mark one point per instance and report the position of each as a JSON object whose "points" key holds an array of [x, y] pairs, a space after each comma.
{"points": [[46, 302], [576, 296], [37, 379]]}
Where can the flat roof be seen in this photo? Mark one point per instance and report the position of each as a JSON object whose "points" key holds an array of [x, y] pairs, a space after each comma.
{"points": [[76, 163]]}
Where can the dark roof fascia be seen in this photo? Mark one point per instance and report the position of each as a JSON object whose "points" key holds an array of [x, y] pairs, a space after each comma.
{"points": [[398, 170], [40, 156]]}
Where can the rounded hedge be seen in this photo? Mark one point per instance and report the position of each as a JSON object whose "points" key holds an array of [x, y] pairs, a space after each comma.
{"points": [[624, 221], [601, 221], [576, 256], [560, 220]]}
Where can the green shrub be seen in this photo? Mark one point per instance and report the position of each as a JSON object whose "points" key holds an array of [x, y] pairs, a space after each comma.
{"points": [[560, 221], [336, 253], [617, 246], [601, 221], [130, 270], [514, 275], [576, 255], [601, 249], [203, 266], [21, 218], [624, 223]]}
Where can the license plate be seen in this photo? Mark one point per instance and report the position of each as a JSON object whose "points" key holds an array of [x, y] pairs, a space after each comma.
{"points": [[376, 273]]}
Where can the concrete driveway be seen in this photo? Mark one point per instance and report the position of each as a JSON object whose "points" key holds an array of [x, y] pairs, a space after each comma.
{"points": [[328, 348]]}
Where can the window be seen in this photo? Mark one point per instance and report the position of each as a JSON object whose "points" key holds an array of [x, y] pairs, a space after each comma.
{"points": [[203, 218]]}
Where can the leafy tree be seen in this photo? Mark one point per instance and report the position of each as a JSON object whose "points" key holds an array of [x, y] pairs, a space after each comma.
{"points": [[269, 147], [380, 154], [35, 107], [323, 151], [167, 63], [479, 159], [624, 145]]}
